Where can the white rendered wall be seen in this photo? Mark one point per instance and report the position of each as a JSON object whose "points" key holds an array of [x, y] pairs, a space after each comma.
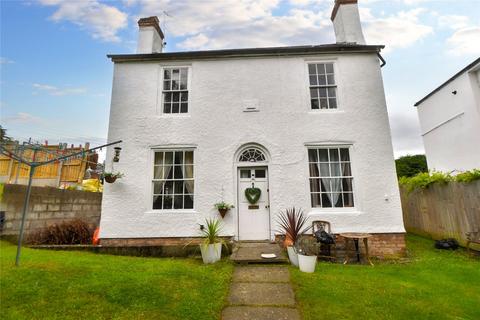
{"points": [[217, 126], [450, 125]]}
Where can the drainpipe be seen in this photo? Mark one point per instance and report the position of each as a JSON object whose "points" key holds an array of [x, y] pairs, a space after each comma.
{"points": [[381, 59]]}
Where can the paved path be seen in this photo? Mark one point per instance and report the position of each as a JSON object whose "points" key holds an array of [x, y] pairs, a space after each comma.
{"points": [[261, 293]]}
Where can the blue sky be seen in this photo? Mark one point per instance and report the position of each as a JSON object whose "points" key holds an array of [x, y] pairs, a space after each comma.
{"points": [[56, 79]]}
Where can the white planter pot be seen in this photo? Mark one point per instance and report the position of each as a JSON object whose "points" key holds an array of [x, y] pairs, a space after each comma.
{"points": [[211, 253], [292, 256], [307, 263]]}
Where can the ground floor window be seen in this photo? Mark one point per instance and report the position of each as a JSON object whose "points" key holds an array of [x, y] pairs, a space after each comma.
{"points": [[173, 180], [331, 180]]}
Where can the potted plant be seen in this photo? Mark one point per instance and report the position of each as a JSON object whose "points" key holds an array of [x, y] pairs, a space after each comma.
{"points": [[223, 207], [307, 249], [211, 248], [292, 223], [111, 177]]}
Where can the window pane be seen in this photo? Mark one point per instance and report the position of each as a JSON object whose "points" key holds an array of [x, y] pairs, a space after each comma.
{"points": [[183, 73], [178, 157], [183, 107], [314, 103], [168, 187], [325, 184], [348, 199], [332, 103], [175, 107], [347, 184], [184, 96], [157, 187], [167, 97], [314, 93], [166, 85], [312, 155], [168, 157], [324, 170], [314, 171], [321, 80], [315, 185], [178, 201], [189, 157], [178, 173], [312, 69], [333, 154], [323, 104], [188, 171], [158, 158], [188, 204], [157, 202], [329, 67], [321, 68], [335, 169], [176, 97], [175, 85], [313, 80], [330, 79], [331, 92], [316, 200], [158, 172], [323, 155], [337, 199], [346, 171], [244, 174], [175, 74], [326, 201], [167, 107], [178, 187], [322, 92], [260, 173], [344, 155], [166, 74], [167, 202], [188, 186]]}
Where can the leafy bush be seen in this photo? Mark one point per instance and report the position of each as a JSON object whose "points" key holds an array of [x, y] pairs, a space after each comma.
{"points": [[409, 166], [425, 179], [70, 232], [468, 176]]}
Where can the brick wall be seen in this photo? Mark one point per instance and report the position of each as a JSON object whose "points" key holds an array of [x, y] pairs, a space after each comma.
{"points": [[47, 206]]}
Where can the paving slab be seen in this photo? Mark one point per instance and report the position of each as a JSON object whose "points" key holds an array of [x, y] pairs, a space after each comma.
{"points": [[261, 294], [261, 274], [251, 252], [260, 313]]}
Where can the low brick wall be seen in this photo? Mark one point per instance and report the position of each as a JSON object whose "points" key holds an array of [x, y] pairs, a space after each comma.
{"points": [[47, 206]]}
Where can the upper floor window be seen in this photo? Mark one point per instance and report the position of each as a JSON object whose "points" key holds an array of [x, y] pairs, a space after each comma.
{"points": [[331, 180], [323, 90], [175, 90], [173, 179]]}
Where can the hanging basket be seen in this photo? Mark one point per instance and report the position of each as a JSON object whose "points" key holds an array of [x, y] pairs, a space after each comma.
{"points": [[110, 179], [223, 212]]}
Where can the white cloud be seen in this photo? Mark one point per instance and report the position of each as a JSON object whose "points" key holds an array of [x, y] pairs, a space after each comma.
{"points": [[453, 21], [102, 21], [465, 41], [4, 60], [55, 91], [395, 31], [22, 117]]}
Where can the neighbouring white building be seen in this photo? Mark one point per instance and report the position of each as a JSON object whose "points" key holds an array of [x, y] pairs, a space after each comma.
{"points": [[307, 125], [450, 122]]}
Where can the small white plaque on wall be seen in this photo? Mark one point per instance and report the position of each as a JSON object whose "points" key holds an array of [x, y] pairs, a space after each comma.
{"points": [[250, 105]]}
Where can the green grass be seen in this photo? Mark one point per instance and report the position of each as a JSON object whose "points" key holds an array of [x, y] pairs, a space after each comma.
{"points": [[77, 285], [436, 284]]}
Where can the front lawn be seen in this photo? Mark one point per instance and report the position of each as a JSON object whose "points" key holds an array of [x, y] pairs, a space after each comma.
{"points": [[77, 285], [434, 285]]}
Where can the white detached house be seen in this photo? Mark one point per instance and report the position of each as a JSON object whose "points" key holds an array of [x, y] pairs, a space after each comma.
{"points": [[307, 125]]}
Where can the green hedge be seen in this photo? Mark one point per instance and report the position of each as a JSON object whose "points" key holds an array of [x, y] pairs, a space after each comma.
{"points": [[424, 179]]}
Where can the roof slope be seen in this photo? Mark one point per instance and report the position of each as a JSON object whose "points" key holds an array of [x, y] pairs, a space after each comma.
{"points": [[459, 73], [248, 52]]}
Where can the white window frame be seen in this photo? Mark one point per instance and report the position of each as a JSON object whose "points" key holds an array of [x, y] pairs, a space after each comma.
{"points": [[333, 61], [152, 178], [352, 176], [160, 107]]}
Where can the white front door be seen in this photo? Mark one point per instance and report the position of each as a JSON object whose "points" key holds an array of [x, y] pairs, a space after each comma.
{"points": [[253, 218]]}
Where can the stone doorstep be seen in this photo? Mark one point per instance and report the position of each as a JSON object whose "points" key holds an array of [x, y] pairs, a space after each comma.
{"points": [[261, 294], [260, 313]]}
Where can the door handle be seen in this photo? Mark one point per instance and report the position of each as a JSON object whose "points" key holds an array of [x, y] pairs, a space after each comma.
{"points": [[267, 206]]}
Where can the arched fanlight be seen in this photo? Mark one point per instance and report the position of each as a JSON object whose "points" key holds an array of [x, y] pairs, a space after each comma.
{"points": [[252, 155]]}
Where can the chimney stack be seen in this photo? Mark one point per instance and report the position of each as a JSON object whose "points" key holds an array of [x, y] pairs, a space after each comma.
{"points": [[346, 22], [150, 36]]}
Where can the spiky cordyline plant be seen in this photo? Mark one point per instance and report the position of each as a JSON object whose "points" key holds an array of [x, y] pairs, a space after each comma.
{"points": [[212, 231], [292, 222]]}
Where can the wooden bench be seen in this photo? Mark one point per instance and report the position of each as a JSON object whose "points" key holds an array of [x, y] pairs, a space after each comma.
{"points": [[472, 237]]}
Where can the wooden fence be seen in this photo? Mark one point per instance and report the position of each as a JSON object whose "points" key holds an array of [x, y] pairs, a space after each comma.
{"points": [[54, 174], [443, 211]]}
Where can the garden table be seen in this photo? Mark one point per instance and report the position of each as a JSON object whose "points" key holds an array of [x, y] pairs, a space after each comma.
{"points": [[356, 237]]}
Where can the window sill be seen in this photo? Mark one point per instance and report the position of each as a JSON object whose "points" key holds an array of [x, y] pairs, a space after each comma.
{"points": [[323, 111], [172, 212], [175, 115], [326, 211]]}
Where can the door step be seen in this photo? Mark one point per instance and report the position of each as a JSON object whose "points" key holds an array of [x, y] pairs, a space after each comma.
{"points": [[251, 252]]}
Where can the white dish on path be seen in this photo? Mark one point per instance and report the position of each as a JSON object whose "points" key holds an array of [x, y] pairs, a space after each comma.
{"points": [[268, 255]]}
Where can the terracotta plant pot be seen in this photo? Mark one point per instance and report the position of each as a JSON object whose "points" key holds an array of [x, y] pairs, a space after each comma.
{"points": [[110, 179], [223, 212]]}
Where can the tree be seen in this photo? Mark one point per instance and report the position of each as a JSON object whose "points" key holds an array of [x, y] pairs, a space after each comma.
{"points": [[3, 135], [408, 166]]}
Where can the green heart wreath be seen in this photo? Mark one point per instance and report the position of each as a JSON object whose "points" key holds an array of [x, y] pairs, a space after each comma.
{"points": [[253, 194]]}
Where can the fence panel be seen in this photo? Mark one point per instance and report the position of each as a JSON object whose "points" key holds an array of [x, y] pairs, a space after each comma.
{"points": [[443, 211]]}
